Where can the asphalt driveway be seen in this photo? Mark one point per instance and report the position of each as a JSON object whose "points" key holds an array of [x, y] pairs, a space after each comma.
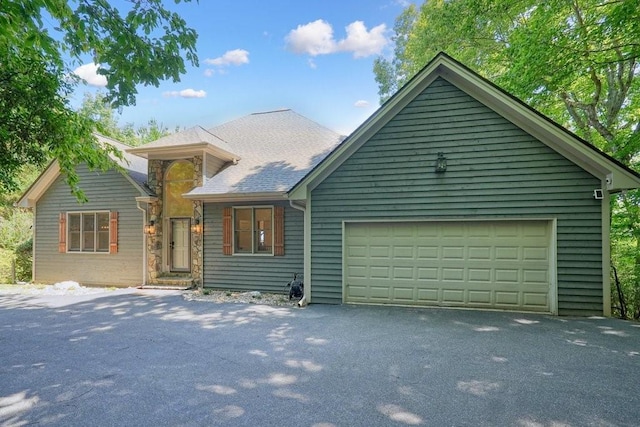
{"points": [[129, 358]]}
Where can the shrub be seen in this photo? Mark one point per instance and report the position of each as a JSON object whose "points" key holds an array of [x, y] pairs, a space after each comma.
{"points": [[24, 256]]}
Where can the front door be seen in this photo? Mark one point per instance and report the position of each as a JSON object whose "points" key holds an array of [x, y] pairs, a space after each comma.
{"points": [[180, 244]]}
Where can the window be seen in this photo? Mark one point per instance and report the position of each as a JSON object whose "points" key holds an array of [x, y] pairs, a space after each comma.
{"points": [[88, 232], [178, 180], [253, 230]]}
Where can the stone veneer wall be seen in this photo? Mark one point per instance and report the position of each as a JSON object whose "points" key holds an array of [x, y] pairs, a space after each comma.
{"points": [[196, 238], [156, 173]]}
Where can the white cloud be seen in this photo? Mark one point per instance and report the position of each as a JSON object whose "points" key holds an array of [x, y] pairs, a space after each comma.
{"points": [[185, 93], [312, 64], [361, 104], [209, 72], [316, 38], [232, 57], [362, 42], [89, 73]]}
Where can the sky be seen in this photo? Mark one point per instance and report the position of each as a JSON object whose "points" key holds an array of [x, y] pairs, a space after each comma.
{"points": [[312, 56]]}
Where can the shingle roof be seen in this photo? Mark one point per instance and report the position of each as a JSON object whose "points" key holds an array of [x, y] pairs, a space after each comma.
{"points": [[194, 135], [135, 166], [276, 150]]}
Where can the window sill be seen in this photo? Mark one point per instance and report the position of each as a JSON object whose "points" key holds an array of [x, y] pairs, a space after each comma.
{"points": [[249, 254]]}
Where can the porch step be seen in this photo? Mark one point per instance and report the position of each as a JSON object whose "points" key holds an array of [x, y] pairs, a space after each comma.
{"points": [[170, 283]]}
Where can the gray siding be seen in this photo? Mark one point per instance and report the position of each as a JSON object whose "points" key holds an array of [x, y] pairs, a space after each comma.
{"points": [[108, 191], [495, 170], [251, 272]]}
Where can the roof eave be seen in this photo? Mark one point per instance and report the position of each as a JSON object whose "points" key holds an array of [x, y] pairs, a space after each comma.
{"points": [[39, 186], [238, 197], [184, 151]]}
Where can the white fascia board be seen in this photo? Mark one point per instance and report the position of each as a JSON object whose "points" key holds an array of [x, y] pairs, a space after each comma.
{"points": [[238, 197], [39, 186], [176, 152]]}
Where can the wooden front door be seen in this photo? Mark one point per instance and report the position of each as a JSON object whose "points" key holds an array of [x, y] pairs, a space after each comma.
{"points": [[180, 245]]}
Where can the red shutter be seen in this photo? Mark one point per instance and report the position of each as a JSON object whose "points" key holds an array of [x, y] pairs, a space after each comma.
{"points": [[227, 229], [113, 233], [62, 232], [278, 231]]}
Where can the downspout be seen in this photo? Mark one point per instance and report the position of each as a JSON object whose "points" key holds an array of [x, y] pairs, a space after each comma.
{"points": [[144, 244], [606, 250], [307, 289]]}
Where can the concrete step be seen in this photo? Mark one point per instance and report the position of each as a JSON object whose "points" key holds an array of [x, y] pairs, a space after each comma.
{"points": [[170, 283]]}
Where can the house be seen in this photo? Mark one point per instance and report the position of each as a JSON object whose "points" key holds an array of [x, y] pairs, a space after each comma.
{"points": [[454, 193], [184, 199]]}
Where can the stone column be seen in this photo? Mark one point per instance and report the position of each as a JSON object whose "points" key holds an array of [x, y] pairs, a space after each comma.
{"points": [[197, 238]]}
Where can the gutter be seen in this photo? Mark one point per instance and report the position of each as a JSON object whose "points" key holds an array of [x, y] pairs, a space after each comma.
{"points": [[303, 300], [144, 242]]}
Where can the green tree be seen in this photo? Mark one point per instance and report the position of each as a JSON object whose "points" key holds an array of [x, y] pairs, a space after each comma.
{"points": [[98, 110], [576, 61], [40, 40]]}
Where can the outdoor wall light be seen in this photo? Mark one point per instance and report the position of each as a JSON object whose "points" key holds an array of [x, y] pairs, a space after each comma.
{"points": [[196, 227], [441, 163], [150, 228]]}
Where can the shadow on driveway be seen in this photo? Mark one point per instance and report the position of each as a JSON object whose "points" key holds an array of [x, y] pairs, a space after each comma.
{"points": [[152, 358]]}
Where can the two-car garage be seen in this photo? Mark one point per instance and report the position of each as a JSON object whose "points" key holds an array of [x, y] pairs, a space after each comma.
{"points": [[495, 264]]}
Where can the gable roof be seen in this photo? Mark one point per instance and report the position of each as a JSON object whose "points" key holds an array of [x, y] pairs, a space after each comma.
{"points": [[135, 168], [610, 171], [276, 149], [186, 143]]}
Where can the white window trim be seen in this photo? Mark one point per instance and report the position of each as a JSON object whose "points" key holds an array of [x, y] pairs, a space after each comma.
{"points": [[68, 231], [233, 230]]}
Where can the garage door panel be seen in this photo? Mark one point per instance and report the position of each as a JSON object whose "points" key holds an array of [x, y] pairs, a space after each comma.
{"points": [[380, 273], [452, 274], [380, 292], [506, 253], [380, 252], [453, 296], [453, 253], [403, 252], [507, 298], [536, 253], [427, 273], [479, 253], [536, 276], [482, 275], [480, 297], [402, 273], [427, 252], [403, 294], [428, 295], [355, 271], [535, 300], [497, 264], [357, 252]]}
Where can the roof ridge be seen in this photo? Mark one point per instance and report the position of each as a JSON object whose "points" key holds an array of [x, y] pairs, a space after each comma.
{"points": [[279, 110]]}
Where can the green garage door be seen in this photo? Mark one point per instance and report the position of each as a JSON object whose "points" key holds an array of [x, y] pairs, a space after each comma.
{"points": [[482, 264]]}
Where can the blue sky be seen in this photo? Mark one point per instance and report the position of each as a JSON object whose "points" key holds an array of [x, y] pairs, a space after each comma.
{"points": [[315, 57]]}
